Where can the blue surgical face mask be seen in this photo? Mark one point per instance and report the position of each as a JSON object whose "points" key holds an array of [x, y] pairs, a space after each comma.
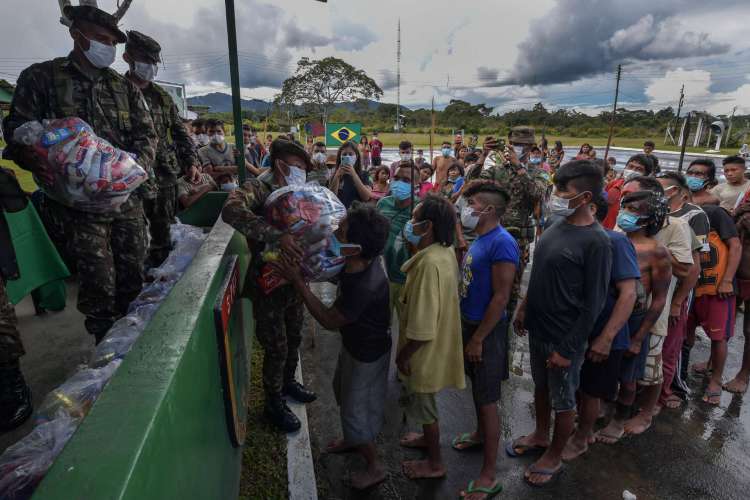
{"points": [[343, 249], [348, 160], [414, 239], [628, 222], [400, 190], [695, 183], [446, 152], [535, 160]]}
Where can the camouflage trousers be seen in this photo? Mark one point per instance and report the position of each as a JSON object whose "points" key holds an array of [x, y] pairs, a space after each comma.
{"points": [[108, 251], [11, 347], [515, 293], [278, 326], [160, 213]]}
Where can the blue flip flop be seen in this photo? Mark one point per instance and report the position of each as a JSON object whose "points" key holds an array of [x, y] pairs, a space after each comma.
{"points": [[552, 473], [511, 446]]}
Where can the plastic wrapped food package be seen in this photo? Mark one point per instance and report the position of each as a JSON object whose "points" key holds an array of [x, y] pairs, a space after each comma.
{"points": [[311, 213], [24, 464], [90, 174], [76, 395], [186, 241]]}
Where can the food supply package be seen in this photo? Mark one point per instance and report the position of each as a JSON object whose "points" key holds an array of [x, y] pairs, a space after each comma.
{"points": [[89, 173], [311, 213]]}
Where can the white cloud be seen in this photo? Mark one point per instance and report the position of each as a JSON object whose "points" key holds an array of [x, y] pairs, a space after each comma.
{"points": [[663, 91]]}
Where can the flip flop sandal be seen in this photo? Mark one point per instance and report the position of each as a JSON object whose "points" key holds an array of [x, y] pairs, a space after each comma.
{"points": [[511, 446], [552, 473], [711, 394], [701, 371], [490, 492], [465, 439]]}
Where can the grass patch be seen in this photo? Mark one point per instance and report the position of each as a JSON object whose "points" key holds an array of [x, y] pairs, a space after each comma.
{"points": [[264, 473]]}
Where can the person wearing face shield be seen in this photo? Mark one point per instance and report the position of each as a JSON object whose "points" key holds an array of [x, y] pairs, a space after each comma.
{"points": [[278, 314], [639, 164], [175, 153], [107, 249]]}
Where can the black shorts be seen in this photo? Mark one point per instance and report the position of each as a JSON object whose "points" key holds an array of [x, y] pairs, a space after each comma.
{"points": [[600, 380], [494, 368], [376, 162]]}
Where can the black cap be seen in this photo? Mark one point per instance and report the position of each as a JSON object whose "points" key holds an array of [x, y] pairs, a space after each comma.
{"points": [[145, 44], [280, 147], [95, 16]]}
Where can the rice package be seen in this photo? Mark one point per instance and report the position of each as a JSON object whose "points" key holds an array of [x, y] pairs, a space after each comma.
{"points": [[90, 174], [311, 213]]}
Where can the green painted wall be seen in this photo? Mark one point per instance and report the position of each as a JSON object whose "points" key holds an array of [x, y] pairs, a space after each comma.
{"points": [[159, 431]]}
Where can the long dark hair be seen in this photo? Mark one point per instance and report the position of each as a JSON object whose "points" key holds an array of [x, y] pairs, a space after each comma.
{"points": [[353, 147]]}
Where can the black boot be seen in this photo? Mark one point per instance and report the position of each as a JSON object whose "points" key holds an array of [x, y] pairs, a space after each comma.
{"points": [[280, 415], [297, 392], [15, 397]]}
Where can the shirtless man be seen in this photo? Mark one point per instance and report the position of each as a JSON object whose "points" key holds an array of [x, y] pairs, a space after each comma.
{"points": [[443, 162], [642, 216]]}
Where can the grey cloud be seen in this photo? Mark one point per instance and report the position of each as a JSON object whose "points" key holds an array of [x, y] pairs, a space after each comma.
{"points": [[351, 37], [388, 79], [485, 74], [593, 36]]}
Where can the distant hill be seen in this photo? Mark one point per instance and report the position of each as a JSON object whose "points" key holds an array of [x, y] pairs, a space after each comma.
{"points": [[220, 102]]}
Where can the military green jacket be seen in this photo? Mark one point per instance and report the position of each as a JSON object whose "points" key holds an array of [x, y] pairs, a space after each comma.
{"points": [[525, 190], [243, 210], [175, 152], [106, 100]]}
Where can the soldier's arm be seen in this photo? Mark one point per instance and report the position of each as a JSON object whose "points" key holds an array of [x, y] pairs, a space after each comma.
{"points": [[184, 146], [144, 135], [239, 213], [28, 104]]}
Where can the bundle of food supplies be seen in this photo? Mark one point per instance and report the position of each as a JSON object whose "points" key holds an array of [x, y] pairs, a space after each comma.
{"points": [[310, 213], [89, 173]]}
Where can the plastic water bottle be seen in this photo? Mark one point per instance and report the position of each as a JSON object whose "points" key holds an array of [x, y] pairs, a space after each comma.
{"points": [[626, 495]]}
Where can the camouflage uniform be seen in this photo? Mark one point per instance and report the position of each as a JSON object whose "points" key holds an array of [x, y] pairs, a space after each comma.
{"points": [[108, 249], [174, 152], [526, 191], [11, 199], [278, 315], [11, 347]]}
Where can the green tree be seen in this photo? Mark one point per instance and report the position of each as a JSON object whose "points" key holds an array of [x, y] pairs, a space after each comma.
{"points": [[318, 85]]}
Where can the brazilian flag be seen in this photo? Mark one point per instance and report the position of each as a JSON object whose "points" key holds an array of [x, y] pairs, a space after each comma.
{"points": [[339, 133]]}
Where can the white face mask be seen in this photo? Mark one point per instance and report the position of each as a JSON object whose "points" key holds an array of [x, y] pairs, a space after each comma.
{"points": [[145, 71], [561, 206], [229, 186], [469, 219], [217, 139], [319, 157], [628, 174], [348, 160], [202, 139], [405, 156], [296, 176], [100, 55]]}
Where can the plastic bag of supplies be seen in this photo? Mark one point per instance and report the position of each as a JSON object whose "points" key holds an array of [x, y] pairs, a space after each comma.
{"points": [[90, 174], [311, 213]]}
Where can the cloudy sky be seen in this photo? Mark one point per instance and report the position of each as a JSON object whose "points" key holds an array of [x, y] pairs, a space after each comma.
{"points": [[508, 54]]}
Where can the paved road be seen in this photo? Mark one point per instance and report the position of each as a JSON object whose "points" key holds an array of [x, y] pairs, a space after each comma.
{"points": [[697, 452]]}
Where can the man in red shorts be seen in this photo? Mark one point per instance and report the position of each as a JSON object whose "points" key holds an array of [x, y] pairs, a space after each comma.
{"points": [[714, 306]]}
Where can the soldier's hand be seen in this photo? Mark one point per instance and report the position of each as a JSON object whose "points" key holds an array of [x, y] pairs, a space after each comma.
{"points": [[290, 247]]}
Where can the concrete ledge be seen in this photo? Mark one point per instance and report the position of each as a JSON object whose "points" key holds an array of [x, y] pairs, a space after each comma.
{"points": [[299, 461]]}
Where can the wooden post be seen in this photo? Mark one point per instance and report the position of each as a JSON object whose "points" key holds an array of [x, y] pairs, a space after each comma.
{"points": [[614, 110]]}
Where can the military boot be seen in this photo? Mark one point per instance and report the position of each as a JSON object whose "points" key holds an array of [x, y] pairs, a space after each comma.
{"points": [[298, 392], [15, 397], [280, 415]]}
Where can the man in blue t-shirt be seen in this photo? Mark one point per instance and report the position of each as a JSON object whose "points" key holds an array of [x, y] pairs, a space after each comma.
{"points": [[609, 340], [487, 275]]}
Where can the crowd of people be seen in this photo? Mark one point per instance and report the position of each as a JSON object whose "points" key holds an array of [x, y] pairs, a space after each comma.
{"points": [[627, 266]]}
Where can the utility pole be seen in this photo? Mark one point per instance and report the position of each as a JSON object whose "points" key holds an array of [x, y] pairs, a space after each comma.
{"points": [[729, 128], [614, 110], [686, 134], [432, 126], [234, 73], [398, 77], [677, 118]]}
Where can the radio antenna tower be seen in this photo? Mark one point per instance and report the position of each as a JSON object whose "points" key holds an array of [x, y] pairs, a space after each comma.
{"points": [[398, 77]]}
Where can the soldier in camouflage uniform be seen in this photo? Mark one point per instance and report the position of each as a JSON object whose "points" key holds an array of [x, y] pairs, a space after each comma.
{"points": [[279, 314], [527, 188], [175, 153], [15, 395], [108, 249]]}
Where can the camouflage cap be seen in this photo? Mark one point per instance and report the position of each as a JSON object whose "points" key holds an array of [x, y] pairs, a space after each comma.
{"points": [[281, 147], [144, 44], [522, 135], [95, 16]]}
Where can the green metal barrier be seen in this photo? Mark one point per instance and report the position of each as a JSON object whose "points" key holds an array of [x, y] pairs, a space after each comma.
{"points": [[205, 211], [160, 429]]}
